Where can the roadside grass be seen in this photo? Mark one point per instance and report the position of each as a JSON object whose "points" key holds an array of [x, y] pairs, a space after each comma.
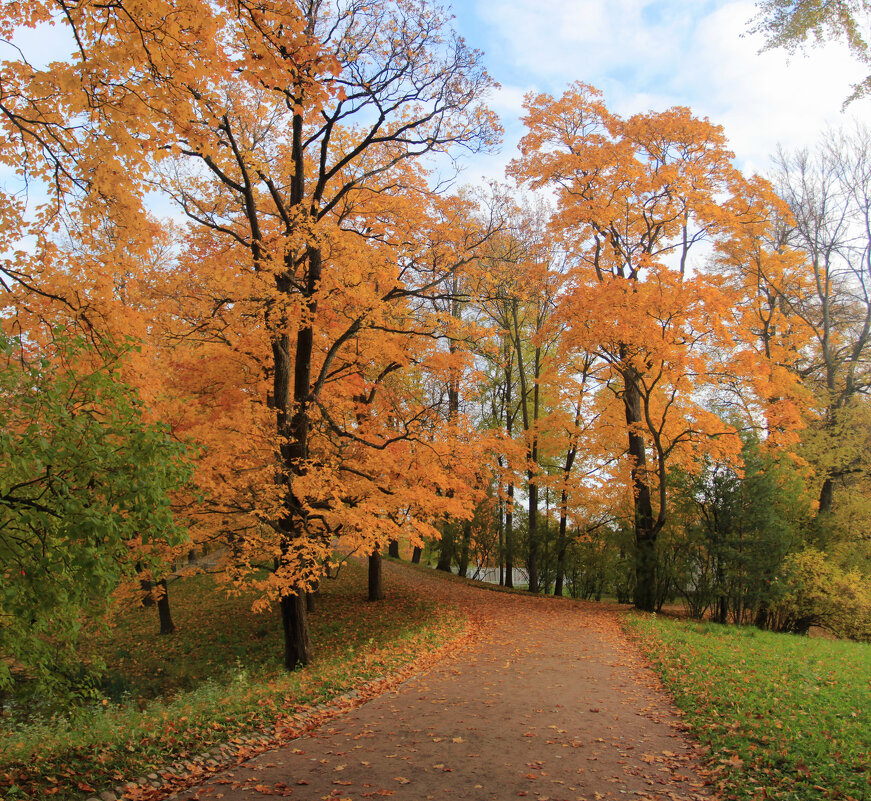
{"points": [[218, 676], [785, 717]]}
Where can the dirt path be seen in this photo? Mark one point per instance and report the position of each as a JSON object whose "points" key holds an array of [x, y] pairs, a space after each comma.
{"points": [[548, 702]]}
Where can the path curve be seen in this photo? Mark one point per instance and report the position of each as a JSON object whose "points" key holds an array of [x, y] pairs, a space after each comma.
{"points": [[549, 701]]}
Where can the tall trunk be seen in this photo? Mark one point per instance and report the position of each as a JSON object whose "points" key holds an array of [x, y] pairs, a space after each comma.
{"points": [[532, 559], [297, 640], [465, 542], [501, 552], [145, 587], [509, 526], [295, 425], [827, 493], [166, 624], [376, 584], [561, 547], [645, 532], [415, 555], [532, 447], [393, 549], [446, 548], [509, 503]]}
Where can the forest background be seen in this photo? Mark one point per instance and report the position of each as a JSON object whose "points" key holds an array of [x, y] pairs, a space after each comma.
{"points": [[628, 367]]}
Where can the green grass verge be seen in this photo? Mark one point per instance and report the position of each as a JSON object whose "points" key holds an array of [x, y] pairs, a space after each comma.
{"points": [[786, 717], [219, 675]]}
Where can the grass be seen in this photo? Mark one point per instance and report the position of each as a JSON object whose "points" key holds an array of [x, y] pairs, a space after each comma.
{"points": [[785, 717], [219, 676]]}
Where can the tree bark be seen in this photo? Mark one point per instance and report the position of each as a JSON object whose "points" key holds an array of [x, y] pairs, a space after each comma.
{"points": [[463, 560], [297, 638], [376, 584], [446, 549], [415, 555], [509, 525], [393, 549], [562, 545], [827, 494], [163, 611], [645, 532]]}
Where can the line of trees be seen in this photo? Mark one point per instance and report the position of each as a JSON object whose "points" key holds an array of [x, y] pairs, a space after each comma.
{"points": [[331, 355]]}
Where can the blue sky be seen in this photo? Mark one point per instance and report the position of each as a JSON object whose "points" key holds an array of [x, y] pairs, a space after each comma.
{"points": [[654, 54]]}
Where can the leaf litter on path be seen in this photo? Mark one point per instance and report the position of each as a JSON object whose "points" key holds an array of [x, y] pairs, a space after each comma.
{"points": [[548, 700]]}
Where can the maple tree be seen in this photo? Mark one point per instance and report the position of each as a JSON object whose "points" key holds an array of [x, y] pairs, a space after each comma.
{"points": [[635, 198], [285, 132]]}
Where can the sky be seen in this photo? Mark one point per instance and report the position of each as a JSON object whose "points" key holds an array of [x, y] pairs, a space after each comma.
{"points": [[654, 54], [645, 55]]}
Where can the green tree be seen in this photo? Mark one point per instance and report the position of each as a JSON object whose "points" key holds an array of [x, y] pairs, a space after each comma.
{"points": [[736, 530], [85, 491]]}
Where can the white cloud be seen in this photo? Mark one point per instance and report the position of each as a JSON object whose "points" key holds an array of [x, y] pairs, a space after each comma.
{"points": [[652, 54]]}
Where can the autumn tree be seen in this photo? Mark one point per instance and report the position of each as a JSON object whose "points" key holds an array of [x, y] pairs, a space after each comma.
{"points": [[285, 131], [635, 198]]}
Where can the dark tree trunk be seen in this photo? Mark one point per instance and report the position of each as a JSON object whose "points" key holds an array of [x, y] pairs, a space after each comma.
{"points": [[147, 591], [393, 549], [532, 560], [562, 545], [415, 555], [145, 587], [509, 502], [463, 560], [827, 494], [446, 549], [376, 584], [509, 525], [163, 612], [645, 532], [292, 416], [501, 550], [297, 639]]}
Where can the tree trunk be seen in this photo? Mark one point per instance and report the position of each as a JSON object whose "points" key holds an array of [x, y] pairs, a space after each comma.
{"points": [[532, 560], [501, 549], [163, 612], [393, 549], [827, 494], [376, 584], [509, 525], [415, 555], [645, 533], [292, 418], [562, 545], [297, 638], [463, 560], [446, 549]]}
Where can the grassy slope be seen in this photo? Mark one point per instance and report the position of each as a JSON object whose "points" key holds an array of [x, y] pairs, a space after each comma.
{"points": [[785, 717], [219, 675]]}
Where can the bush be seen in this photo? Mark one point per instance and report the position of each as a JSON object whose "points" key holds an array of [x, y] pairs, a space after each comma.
{"points": [[814, 591]]}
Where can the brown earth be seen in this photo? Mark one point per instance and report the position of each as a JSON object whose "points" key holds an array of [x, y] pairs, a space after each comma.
{"points": [[548, 700]]}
